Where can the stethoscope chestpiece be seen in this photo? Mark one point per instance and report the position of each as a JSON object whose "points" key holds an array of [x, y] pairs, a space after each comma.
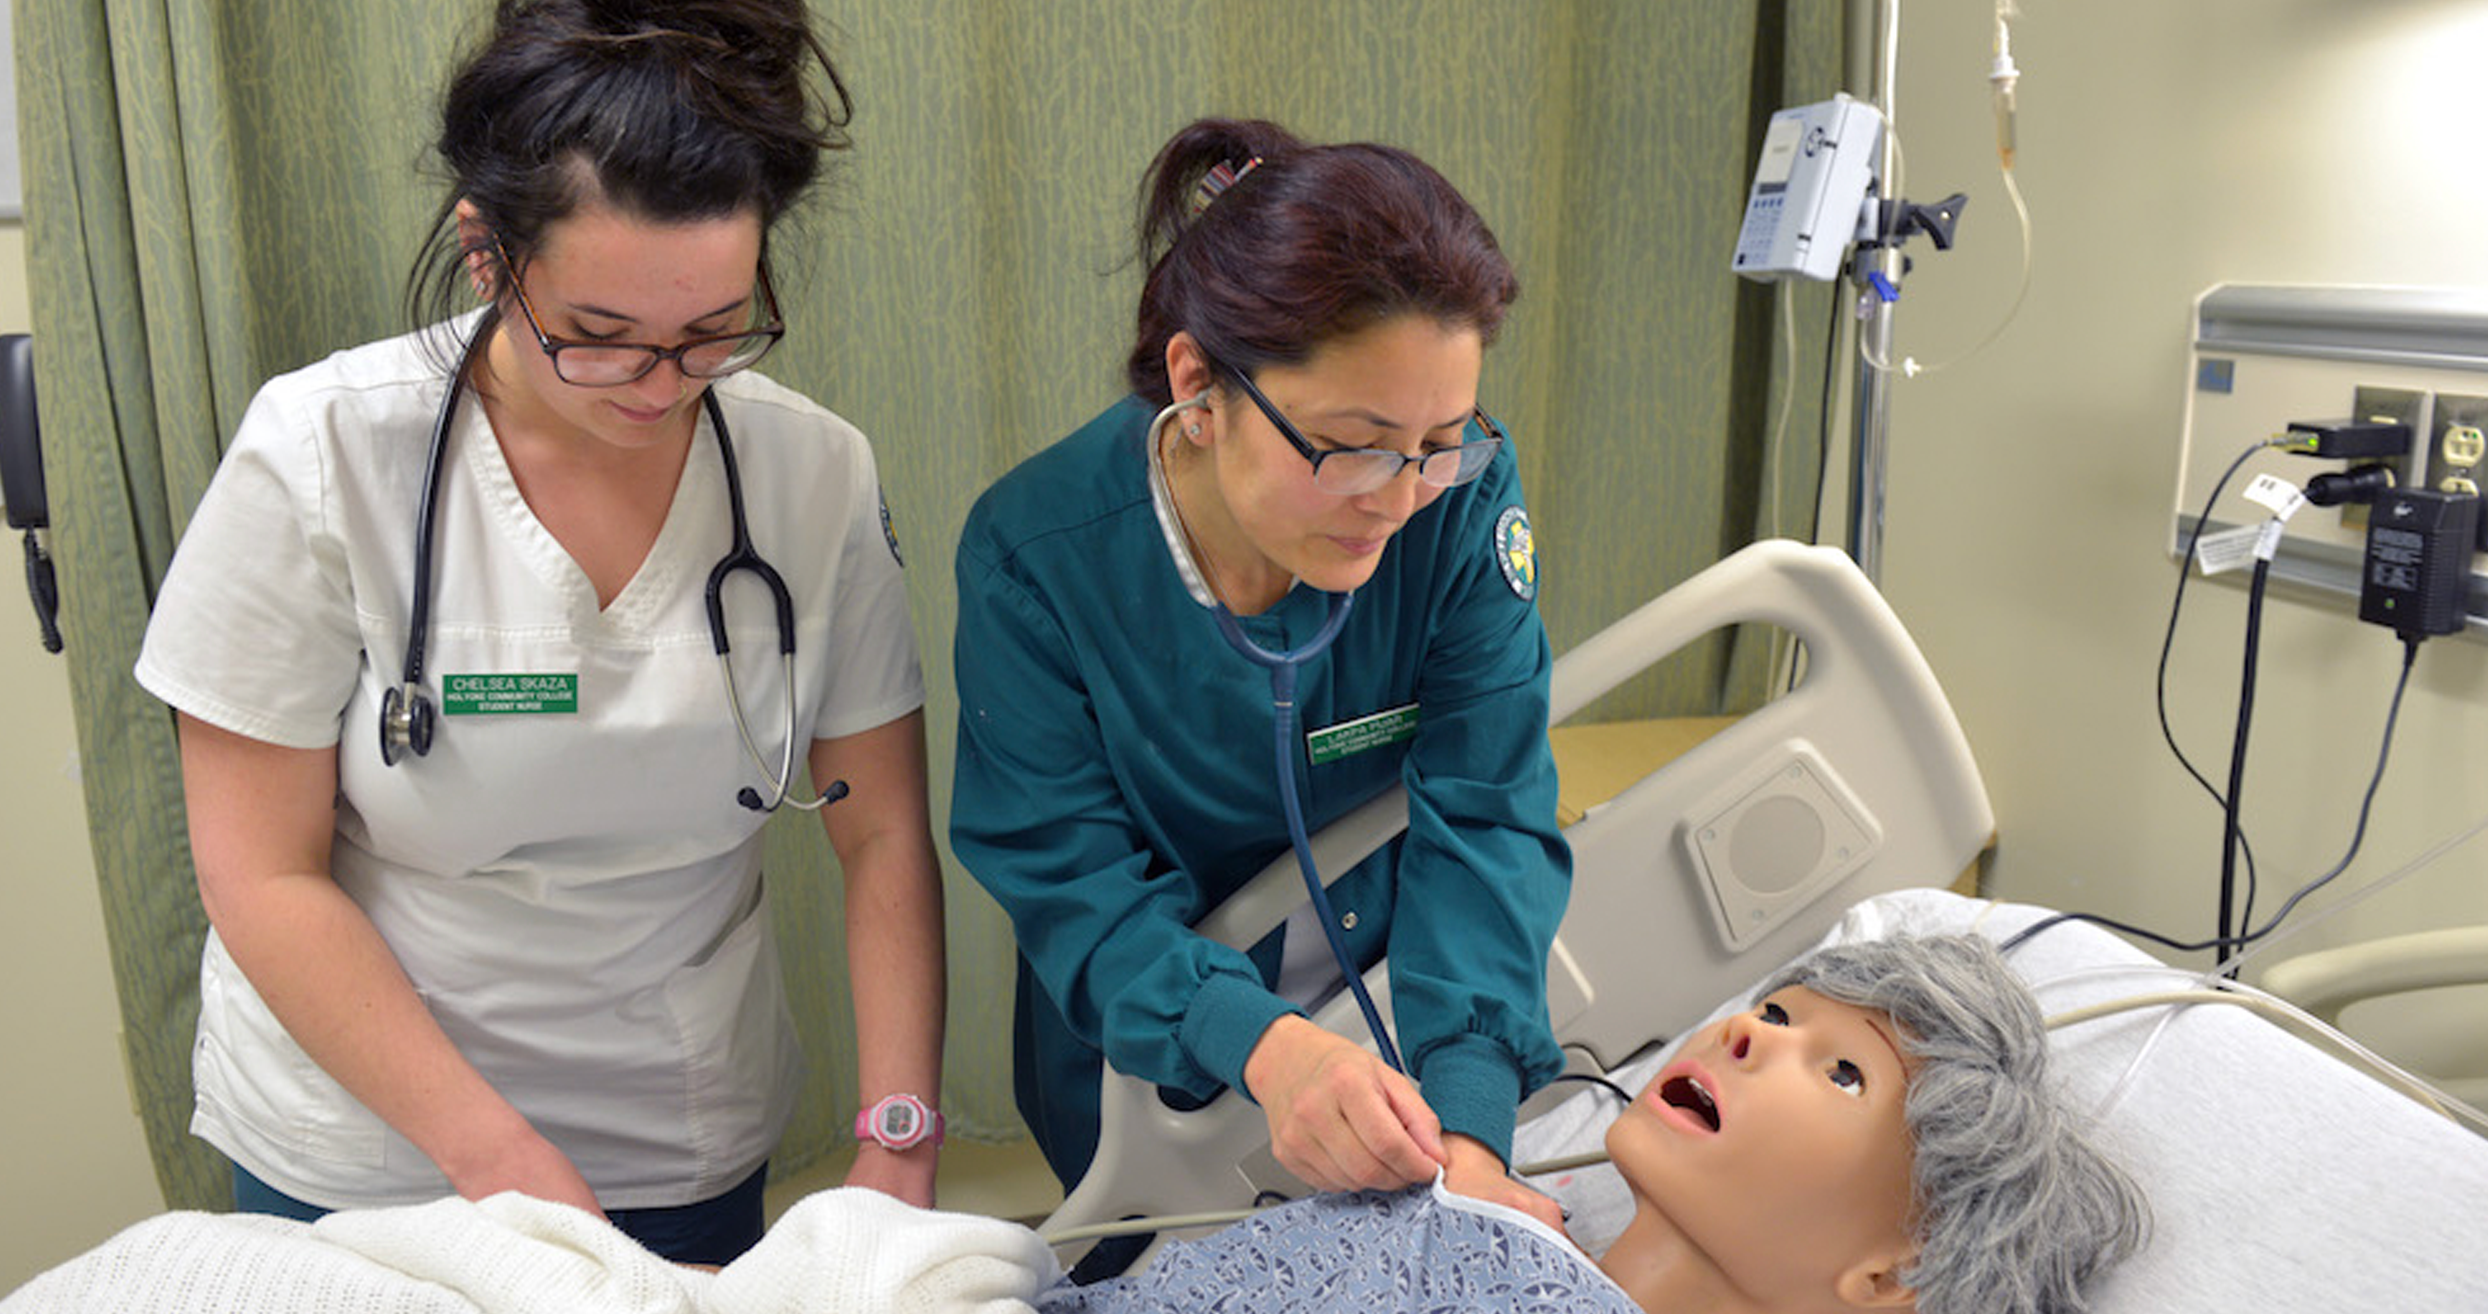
{"points": [[405, 723]]}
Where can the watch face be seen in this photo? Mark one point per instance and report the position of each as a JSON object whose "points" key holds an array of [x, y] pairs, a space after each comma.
{"points": [[900, 1121]]}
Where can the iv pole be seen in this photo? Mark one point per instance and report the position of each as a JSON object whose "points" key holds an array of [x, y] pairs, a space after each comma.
{"points": [[1877, 273]]}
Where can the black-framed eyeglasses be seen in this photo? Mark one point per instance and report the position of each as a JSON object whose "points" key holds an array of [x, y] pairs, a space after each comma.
{"points": [[612, 364], [1348, 471]]}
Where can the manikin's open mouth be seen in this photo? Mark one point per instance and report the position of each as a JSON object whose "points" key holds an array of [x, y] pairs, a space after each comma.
{"points": [[1685, 1093]]}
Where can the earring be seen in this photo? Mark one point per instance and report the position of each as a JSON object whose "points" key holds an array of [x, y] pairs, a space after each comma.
{"points": [[1192, 431]]}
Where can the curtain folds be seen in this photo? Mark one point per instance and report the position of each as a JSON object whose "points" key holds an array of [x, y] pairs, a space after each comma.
{"points": [[219, 192]]}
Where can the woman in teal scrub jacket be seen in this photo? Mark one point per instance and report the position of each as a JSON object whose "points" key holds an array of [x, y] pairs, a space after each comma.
{"points": [[1322, 313]]}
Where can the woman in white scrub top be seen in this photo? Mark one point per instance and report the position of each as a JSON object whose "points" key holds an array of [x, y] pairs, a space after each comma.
{"points": [[537, 956]]}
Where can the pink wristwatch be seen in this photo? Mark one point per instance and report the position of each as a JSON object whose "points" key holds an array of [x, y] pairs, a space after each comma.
{"points": [[898, 1122]]}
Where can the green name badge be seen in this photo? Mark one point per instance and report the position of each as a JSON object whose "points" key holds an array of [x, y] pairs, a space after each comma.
{"points": [[1348, 738], [504, 695]]}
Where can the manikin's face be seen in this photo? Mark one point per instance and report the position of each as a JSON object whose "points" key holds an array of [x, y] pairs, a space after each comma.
{"points": [[1405, 385], [1774, 1143], [602, 275]]}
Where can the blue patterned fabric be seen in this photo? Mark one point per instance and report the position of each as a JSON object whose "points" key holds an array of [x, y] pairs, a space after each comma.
{"points": [[1419, 1251]]}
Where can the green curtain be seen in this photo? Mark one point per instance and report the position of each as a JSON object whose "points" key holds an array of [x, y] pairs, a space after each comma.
{"points": [[219, 190]]}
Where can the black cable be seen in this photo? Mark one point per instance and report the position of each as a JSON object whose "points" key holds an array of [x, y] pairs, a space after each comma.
{"points": [[2230, 834], [1594, 1079], [2358, 836], [2168, 641], [44, 587]]}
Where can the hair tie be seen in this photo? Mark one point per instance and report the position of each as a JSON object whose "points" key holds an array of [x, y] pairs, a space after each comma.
{"points": [[1220, 177]]}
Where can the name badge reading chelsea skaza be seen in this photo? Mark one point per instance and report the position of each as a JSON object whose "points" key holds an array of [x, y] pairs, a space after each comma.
{"points": [[504, 695], [1349, 738]]}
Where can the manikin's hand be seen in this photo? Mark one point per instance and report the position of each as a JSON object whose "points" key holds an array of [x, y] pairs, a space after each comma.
{"points": [[900, 1174], [1340, 1118], [1477, 1173], [525, 1162]]}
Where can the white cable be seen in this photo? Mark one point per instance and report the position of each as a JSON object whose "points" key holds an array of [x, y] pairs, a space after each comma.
{"points": [[2293, 1018], [2004, 77], [1888, 81], [1788, 400], [1910, 366], [1562, 1163], [1135, 1226]]}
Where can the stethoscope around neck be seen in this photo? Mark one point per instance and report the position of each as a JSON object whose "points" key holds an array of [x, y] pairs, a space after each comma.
{"points": [[1283, 666], [408, 719]]}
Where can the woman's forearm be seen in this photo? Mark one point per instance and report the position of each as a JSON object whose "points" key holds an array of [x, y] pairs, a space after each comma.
{"points": [[262, 821]]}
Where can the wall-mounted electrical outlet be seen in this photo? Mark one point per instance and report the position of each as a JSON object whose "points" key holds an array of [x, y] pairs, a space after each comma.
{"points": [[2264, 358], [2460, 444]]}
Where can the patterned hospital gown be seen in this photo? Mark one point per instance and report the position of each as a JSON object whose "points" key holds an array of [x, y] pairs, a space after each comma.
{"points": [[1418, 1251]]}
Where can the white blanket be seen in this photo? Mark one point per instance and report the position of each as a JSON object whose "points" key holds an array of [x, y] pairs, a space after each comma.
{"points": [[837, 1251]]}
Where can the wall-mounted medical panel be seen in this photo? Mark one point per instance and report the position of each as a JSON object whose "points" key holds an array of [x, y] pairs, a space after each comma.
{"points": [[2265, 357]]}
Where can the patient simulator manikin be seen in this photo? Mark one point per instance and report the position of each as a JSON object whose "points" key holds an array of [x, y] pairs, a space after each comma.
{"points": [[1875, 1134], [1769, 1164]]}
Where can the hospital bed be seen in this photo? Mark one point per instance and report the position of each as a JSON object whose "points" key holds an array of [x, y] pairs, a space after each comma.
{"points": [[2280, 1181], [1739, 852], [2282, 1178]]}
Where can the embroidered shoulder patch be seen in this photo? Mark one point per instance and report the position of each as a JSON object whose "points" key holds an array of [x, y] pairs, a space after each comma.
{"points": [[1517, 552], [889, 534]]}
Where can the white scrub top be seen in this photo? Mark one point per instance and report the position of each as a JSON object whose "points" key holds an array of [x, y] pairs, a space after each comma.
{"points": [[567, 877]]}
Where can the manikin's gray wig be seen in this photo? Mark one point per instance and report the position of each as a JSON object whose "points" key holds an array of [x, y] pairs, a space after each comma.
{"points": [[2015, 1211]]}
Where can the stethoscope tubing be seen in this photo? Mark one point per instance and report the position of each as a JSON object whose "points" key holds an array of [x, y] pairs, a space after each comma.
{"points": [[419, 617], [1283, 666], [406, 713], [740, 555]]}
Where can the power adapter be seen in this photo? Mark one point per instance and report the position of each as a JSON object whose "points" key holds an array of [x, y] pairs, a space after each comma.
{"points": [[2359, 483], [2346, 440], [2417, 572]]}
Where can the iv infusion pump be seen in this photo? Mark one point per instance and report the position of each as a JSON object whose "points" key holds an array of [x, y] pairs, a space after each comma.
{"points": [[1811, 189]]}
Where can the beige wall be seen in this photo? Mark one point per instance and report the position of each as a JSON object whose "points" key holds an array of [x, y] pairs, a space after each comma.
{"points": [[70, 1147], [2165, 148]]}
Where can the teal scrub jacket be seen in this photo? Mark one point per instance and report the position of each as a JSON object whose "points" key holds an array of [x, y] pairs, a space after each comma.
{"points": [[1114, 782]]}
